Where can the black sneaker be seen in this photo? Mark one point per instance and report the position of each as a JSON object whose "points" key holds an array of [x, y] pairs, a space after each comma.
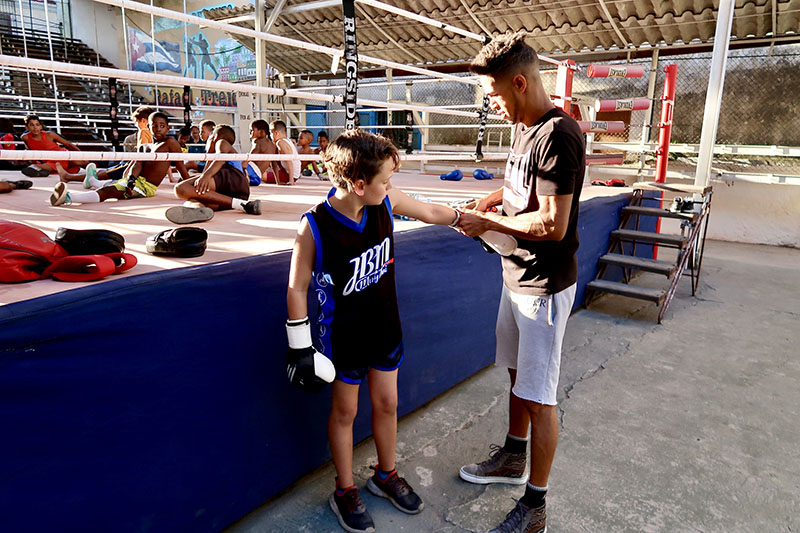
{"points": [[397, 490], [351, 511], [32, 172], [253, 207], [524, 519]]}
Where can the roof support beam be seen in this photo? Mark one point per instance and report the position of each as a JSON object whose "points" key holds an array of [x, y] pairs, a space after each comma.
{"points": [[716, 82], [610, 20], [312, 6], [475, 19], [389, 37], [419, 18], [273, 15]]}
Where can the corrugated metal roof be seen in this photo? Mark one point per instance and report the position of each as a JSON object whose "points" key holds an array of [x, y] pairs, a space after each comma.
{"points": [[555, 27]]}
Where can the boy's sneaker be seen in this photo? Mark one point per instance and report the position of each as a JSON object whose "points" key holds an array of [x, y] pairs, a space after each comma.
{"points": [[397, 490], [60, 195], [91, 173], [351, 511], [253, 207], [524, 519], [500, 467]]}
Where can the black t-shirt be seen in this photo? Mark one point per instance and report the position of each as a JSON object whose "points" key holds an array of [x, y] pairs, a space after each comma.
{"points": [[358, 320], [547, 159]]}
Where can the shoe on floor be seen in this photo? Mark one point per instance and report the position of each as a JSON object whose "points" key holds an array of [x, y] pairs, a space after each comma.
{"points": [[253, 207], [500, 467], [21, 184], [397, 490], [32, 172], [524, 519], [60, 195], [351, 511], [91, 173], [189, 215]]}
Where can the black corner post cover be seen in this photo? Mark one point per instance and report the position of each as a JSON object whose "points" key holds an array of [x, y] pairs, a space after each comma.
{"points": [[187, 106], [112, 113], [482, 130], [350, 64]]}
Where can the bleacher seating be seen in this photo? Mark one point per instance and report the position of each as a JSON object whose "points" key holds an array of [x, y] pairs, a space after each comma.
{"points": [[83, 116]]}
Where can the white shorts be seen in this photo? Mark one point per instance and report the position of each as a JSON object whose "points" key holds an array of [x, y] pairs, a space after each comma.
{"points": [[530, 330]]}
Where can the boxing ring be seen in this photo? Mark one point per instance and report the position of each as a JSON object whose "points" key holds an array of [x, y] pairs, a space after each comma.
{"points": [[158, 401]]}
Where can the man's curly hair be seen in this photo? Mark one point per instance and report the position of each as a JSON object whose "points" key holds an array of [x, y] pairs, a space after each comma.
{"points": [[504, 55], [358, 154]]}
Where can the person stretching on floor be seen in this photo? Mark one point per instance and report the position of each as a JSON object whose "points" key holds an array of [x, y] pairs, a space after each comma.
{"points": [[222, 184], [140, 178], [304, 147], [38, 139], [94, 177], [12, 185]]}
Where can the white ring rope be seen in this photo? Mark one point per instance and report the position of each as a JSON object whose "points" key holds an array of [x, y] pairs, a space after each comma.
{"points": [[231, 28], [56, 155], [179, 81]]}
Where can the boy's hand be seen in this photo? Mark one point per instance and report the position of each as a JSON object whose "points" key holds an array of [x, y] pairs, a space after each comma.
{"points": [[203, 184]]}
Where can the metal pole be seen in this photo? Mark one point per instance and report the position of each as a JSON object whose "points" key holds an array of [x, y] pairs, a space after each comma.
{"points": [[651, 92], [716, 82], [127, 56], [50, 46], [261, 64], [25, 47], [153, 52]]}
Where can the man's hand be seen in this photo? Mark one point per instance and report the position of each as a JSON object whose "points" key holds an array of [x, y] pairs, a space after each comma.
{"points": [[472, 222], [203, 184]]}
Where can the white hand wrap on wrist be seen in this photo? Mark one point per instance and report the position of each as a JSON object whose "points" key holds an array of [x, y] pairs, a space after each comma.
{"points": [[299, 333]]}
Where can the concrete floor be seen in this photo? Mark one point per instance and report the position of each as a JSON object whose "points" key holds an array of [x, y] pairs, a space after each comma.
{"points": [[691, 425]]}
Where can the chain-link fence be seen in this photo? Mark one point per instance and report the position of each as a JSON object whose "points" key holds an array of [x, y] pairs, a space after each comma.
{"points": [[757, 106]]}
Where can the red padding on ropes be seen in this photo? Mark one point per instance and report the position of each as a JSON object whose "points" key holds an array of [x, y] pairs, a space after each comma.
{"points": [[627, 104], [615, 71], [599, 126]]}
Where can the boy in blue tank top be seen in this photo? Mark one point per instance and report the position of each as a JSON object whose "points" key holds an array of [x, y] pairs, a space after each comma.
{"points": [[345, 246]]}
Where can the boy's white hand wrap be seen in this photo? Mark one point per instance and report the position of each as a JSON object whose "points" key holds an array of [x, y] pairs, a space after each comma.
{"points": [[306, 368]]}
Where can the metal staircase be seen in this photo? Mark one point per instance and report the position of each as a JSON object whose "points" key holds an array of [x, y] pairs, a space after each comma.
{"points": [[689, 244]]}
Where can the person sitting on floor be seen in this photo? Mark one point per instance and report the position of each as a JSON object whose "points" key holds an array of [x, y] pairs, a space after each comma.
{"points": [[261, 144], [100, 177], [206, 127], [9, 141], [304, 147], [38, 139], [222, 184], [288, 171], [140, 178]]}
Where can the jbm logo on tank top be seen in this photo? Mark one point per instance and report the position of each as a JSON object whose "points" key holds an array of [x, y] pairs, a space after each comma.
{"points": [[369, 267]]}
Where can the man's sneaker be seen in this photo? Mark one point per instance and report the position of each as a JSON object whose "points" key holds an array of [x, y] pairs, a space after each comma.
{"points": [[524, 519], [91, 173], [253, 207], [60, 195], [500, 467], [189, 215], [351, 511], [397, 490]]}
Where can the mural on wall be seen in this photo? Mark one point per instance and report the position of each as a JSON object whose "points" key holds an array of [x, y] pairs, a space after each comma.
{"points": [[166, 55]]}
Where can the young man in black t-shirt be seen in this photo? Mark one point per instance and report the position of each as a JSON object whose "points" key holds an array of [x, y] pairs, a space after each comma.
{"points": [[539, 198]]}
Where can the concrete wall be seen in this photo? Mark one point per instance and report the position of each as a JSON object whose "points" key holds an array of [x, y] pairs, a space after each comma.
{"points": [[100, 27]]}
